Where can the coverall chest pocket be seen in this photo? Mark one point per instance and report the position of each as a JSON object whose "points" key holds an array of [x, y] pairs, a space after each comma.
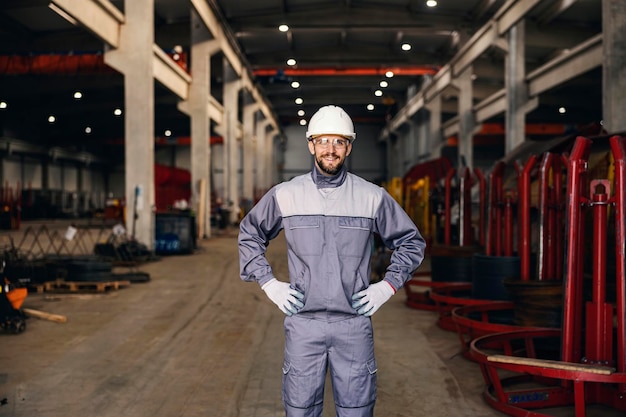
{"points": [[354, 236], [304, 235]]}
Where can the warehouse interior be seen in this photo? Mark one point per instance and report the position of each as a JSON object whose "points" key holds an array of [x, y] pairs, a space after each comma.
{"points": [[135, 135]]}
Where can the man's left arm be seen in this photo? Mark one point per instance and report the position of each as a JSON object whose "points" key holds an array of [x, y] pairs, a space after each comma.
{"points": [[400, 234]]}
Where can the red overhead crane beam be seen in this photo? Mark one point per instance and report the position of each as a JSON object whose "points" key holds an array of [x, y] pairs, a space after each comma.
{"points": [[361, 71]]}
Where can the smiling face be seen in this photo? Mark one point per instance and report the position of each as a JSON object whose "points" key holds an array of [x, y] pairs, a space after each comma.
{"points": [[329, 158]]}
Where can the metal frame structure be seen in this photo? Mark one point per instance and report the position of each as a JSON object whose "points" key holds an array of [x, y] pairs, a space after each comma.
{"points": [[450, 296], [583, 366]]}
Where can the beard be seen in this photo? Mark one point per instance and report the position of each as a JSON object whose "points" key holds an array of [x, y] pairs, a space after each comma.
{"points": [[329, 168]]}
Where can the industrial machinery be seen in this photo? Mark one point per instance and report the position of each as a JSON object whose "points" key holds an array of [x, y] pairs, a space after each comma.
{"points": [[581, 365]]}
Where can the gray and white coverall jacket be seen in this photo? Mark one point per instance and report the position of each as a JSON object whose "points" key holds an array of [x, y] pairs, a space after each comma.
{"points": [[328, 224]]}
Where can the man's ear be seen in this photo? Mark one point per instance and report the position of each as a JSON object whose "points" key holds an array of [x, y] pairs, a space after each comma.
{"points": [[311, 147], [349, 149]]}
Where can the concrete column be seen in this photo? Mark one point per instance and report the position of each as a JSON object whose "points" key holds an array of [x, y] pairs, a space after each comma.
{"points": [[249, 154], [466, 117], [515, 86], [202, 47], [272, 168], [232, 147], [263, 144], [134, 57], [614, 68], [434, 132]]}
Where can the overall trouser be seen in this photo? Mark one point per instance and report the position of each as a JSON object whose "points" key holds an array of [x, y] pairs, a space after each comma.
{"points": [[346, 347]]}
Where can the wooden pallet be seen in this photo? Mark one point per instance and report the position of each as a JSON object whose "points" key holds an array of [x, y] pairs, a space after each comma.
{"points": [[79, 286]]}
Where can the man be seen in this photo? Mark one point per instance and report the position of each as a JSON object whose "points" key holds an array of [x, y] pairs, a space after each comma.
{"points": [[329, 217]]}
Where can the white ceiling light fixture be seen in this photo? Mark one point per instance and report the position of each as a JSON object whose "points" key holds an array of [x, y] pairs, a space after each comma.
{"points": [[283, 28], [88, 130], [299, 100], [301, 113], [291, 62], [78, 95], [378, 93], [431, 3], [295, 84], [562, 110], [117, 112], [406, 46], [384, 84], [3, 105], [389, 74], [51, 119], [370, 107], [302, 122], [168, 133]]}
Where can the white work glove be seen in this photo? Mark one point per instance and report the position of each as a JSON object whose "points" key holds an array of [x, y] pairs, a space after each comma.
{"points": [[370, 299], [286, 298]]}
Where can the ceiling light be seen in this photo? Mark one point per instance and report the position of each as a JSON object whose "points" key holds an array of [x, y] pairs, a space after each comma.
{"points": [[389, 74], [88, 130], [406, 47], [3, 105], [370, 107], [291, 62], [78, 95], [168, 133], [295, 84], [384, 84], [301, 113], [178, 49], [283, 28], [176, 57], [302, 122], [562, 110], [51, 119], [378, 93], [299, 101], [117, 112], [431, 3]]}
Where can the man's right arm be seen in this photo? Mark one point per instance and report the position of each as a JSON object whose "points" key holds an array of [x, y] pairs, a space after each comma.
{"points": [[258, 227]]}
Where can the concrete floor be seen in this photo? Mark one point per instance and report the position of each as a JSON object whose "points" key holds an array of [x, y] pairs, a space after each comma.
{"points": [[197, 341]]}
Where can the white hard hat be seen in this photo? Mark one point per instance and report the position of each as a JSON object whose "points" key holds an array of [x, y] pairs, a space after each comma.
{"points": [[331, 120]]}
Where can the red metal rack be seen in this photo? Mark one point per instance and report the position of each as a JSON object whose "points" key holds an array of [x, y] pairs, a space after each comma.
{"points": [[582, 365]]}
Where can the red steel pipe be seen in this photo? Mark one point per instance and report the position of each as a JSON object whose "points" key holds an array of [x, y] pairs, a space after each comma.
{"points": [[618, 146], [544, 216], [524, 218], [599, 313], [576, 176]]}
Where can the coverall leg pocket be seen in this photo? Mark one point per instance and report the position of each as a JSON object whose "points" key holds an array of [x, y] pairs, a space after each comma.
{"points": [[303, 392]]}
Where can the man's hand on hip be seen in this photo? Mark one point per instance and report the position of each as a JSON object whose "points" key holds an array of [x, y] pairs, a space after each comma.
{"points": [[286, 298], [368, 301]]}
